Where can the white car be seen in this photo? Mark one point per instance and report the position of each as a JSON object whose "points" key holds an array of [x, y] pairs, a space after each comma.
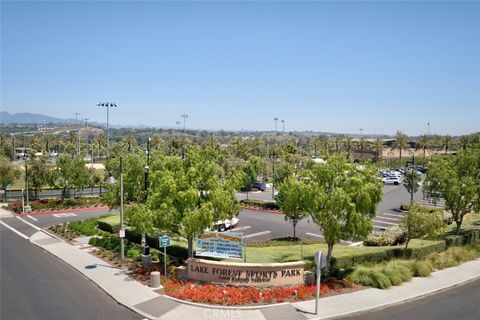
{"points": [[392, 180], [222, 225]]}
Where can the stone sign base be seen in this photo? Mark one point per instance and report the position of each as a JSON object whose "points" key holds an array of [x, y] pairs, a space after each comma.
{"points": [[246, 274]]}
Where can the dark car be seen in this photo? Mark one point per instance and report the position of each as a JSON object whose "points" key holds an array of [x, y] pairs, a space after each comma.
{"points": [[260, 186]]}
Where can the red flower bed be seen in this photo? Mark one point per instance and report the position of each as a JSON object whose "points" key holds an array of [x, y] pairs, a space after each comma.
{"points": [[228, 295]]}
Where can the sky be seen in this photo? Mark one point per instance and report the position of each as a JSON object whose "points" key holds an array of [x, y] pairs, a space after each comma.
{"points": [[380, 66]]}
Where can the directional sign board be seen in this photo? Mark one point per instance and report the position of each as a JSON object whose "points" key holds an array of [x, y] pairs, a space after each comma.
{"points": [[164, 241], [320, 260]]}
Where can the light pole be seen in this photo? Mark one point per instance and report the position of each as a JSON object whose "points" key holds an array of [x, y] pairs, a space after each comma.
{"points": [[111, 180], [76, 117], [275, 119], [147, 168], [178, 125], [108, 105], [184, 116], [86, 122], [283, 126]]}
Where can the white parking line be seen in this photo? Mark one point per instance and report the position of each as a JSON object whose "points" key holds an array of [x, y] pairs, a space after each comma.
{"points": [[384, 222], [239, 228], [314, 235], [63, 215], [394, 215], [14, 230], [256, 234], [387, 218], [28, 223], [32, 218]]}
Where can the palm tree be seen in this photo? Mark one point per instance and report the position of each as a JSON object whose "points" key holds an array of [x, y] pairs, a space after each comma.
{"points": [[400, 142], [156, 141], [463, 143], [378, 148], [362, 144], [338, 142], [100, 143], [129, 141], [48, 140], [325, 144], [447, 143], [424, 144], [348, 146]]}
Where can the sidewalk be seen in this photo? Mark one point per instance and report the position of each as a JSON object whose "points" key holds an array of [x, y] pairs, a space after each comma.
{"points": [[152, 305]]}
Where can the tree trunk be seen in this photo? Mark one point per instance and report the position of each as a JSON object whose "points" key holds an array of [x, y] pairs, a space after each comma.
{"points": [[329, 255], [294, 229], [190, 246], [144, 239]]}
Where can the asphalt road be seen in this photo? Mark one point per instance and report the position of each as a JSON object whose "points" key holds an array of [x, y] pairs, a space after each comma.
{"points": [[458, 303], [36, 285]]}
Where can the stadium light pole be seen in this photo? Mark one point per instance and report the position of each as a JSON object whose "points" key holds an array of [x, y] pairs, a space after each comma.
{"points": [[275, 119], [184, 116], [108, 105], [111, 180]]}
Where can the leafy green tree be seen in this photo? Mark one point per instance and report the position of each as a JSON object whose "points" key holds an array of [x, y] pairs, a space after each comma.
{"points": [[70, 173], [291, 201], [141, 219], [283, 173], [342, 198], [424, 144], [8, 171], [378, 148], [251, 170], [457, 180], [40, 173], [189, 195], [411, 182], [421, 222]]}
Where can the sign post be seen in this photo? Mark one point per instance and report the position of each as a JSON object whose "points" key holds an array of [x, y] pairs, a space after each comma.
{"points": [[320, 262], [164, 241]]}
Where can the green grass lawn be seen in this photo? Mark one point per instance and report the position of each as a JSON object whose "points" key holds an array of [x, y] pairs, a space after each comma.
{"points": [[111, 220], [470, 221], [293, 253]]}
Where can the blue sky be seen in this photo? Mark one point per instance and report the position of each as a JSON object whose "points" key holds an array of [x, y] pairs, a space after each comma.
{"points": [[324, 66]]}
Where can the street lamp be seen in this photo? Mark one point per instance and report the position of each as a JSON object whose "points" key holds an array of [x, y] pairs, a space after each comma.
{"points": [[283, 125], [111, 180], [184, 116], [108, 105]]}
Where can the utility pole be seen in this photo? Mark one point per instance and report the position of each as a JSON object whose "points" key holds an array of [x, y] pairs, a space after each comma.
{"points": [[273, 155], [76, 117]]}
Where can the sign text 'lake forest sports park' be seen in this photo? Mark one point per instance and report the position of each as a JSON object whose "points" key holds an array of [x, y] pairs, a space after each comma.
{"points": [[220, 245], [246, 274]]}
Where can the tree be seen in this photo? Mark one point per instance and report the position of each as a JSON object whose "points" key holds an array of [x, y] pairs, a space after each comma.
{"points": [[341, 198], [400, 143], [457, 180], [40, 173], [411, 182], [283, 173], [8, 172], [70, 173], [378, 148], [348, 146], [447, 143], [189, 194], [362, 144], [424, 144], [141, 219], [251, 170], [291, 202], [129, 141], [156, 141], [420, 222]]}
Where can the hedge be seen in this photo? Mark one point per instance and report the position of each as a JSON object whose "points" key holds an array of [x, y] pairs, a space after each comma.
{"points": [[390, 253], [261, 204], [152, 242], [464, 238]]}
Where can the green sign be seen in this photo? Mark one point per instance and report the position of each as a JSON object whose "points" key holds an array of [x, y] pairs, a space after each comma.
{"points": [[164, 241]]}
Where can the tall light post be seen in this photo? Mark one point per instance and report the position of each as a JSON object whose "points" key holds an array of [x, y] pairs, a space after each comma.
{"points": [[184, 116], [107, 105], [111, 180], [428, 125], [178, 125], [283, 126], [275, 119], [76, 117], [86, 122], [147, 167]]}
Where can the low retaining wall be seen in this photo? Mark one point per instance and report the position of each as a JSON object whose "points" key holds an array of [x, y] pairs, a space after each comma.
{"points": [[246, 274]]}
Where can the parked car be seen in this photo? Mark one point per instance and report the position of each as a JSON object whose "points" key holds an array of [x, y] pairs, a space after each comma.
{"points": [[223, 225], [260, 186], [392, 180]]}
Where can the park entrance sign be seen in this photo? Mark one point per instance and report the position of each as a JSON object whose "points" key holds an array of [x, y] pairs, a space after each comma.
{"points": [[220, 245], [246, 274]]}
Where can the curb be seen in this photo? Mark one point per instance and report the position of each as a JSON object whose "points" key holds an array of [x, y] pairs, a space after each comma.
{"points": [[33, 213], [215, 306], [398, 302], [132, 308]]}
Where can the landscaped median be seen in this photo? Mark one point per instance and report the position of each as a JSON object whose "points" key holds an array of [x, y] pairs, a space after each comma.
{"points": [[353, 268]]}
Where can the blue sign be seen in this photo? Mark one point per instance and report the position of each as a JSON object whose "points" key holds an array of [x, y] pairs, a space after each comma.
{"points": [[220, 245], [164, 241]]}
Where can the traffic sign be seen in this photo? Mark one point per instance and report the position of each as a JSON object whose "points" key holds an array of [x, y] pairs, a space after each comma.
{"points": [[320, 260], [121, 233], [164, 241]]}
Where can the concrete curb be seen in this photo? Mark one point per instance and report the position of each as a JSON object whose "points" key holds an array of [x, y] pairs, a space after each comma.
{"points": [[215, 306], [261, 209], [33, 213], [140, 312], [396, 303]]}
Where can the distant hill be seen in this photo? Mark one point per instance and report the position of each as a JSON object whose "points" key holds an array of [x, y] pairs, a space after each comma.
{"points": [[26, 117]]}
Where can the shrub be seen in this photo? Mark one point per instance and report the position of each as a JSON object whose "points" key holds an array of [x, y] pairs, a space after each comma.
{"points": [[372, 277], [390, 237], [261, 204], [392, 274]]}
